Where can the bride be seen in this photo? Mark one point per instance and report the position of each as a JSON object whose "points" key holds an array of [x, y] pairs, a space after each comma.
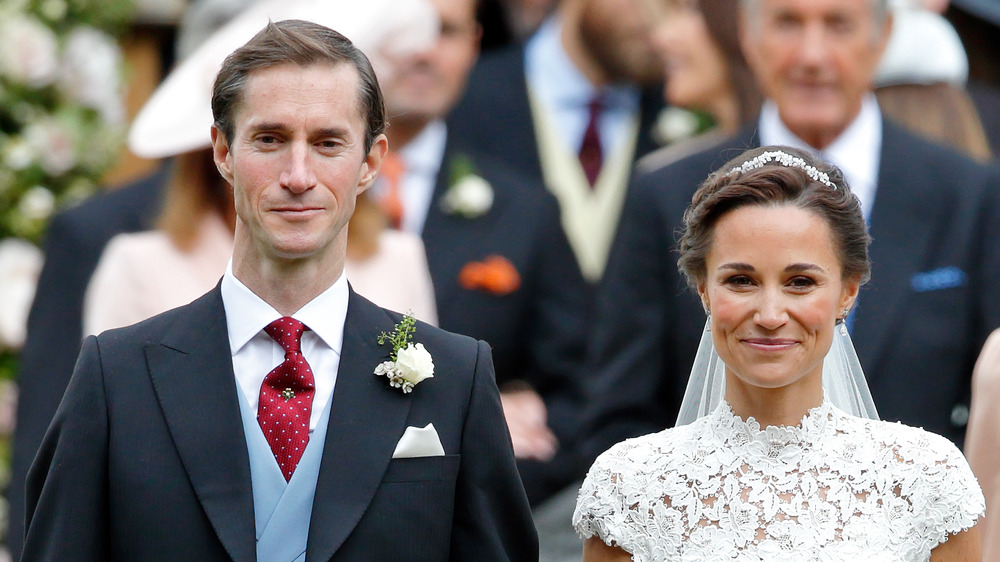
{"points": [[778, 453]]}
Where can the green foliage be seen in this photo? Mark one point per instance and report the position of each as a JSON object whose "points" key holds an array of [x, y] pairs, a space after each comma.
{"points": [[400, 336]]}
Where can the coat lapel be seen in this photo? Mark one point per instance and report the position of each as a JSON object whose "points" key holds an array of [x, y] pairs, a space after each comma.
{"points": [[367, 417], [192, 373], [902, 227]]}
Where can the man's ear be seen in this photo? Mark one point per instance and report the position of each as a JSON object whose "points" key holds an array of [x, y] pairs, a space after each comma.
{"points": [[372, 163], [220, 153]]}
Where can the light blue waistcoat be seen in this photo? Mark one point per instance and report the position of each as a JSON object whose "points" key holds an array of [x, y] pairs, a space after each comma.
{"points": [[282, 509]]}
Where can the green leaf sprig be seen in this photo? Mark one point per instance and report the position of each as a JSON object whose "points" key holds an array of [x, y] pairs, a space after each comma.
{"points": [[401, 335]]}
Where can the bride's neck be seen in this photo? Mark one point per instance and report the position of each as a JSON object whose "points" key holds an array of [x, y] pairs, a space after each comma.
{"points": [[786, 405]]}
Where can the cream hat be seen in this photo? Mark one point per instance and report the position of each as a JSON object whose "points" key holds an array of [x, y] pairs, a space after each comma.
{"points": [[923, 48], [178, 116]]}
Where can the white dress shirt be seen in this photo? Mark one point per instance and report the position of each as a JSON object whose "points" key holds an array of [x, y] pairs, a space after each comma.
{"points": [[255, 353], [566, 92], [422, 160], [857, 151]]}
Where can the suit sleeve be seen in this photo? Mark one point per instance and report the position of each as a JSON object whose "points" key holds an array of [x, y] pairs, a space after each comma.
{"points": [[561, 310], [67, 485], [492, 517]]}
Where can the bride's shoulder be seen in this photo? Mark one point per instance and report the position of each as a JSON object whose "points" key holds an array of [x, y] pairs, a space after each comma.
{"points": [[639, 453], [912, 446]]}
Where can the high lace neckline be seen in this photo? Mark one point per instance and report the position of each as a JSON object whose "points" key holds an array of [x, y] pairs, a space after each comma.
{"points": [[814, 426]]}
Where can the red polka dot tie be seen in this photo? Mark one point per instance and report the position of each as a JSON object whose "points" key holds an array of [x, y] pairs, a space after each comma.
{"points": [[286, 397]]}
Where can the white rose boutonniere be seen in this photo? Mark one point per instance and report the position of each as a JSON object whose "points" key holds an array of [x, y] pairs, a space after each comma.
{"points": [[469, 195], [409, 363]]}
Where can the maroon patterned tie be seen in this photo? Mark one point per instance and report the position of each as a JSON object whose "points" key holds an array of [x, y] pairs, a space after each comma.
{"points": [[286, 397], [591, 158]]}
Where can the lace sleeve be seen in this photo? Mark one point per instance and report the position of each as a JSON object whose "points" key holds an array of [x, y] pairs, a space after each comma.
{"points": [[599, 506], [944, 490], [959, 502], [623, 505]]}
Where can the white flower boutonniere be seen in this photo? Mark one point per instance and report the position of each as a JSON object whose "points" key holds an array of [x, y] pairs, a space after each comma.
{"points": [[409, 363], [469, 195]]}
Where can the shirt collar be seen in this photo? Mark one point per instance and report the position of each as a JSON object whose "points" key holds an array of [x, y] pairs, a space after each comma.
{"points": [[556, 80], [247, 314], [423, 154], [857, 151]]}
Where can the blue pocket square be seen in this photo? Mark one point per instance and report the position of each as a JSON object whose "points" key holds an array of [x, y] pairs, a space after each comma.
{"points": [[937, 279]]}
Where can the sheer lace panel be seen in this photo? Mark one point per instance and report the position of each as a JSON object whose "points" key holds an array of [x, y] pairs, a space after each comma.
{"points": [[835, 487]]}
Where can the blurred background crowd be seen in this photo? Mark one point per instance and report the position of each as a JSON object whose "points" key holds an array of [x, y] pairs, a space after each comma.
{"points": [[516, 204]]}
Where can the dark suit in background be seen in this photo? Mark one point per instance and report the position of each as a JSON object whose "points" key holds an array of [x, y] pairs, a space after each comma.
{"points": [[494, 115], [73, 245], [919, 324], [150, 452], [537, 332]]}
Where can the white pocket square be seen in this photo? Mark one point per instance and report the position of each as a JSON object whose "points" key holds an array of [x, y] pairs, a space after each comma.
{"points": [[419, 442]]}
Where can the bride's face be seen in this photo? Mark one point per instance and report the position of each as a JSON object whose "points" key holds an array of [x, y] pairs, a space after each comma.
{"points": [[774, 287]]}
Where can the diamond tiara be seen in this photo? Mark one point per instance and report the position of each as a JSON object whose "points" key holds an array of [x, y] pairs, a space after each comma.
{"points": [[787, 160]]}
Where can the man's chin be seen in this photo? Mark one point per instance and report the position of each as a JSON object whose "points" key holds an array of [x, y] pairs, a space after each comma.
{"points": [[817, 126]]}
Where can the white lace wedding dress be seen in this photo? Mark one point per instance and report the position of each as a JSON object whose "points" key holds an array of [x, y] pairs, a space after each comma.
{"points": [[834, 488]]}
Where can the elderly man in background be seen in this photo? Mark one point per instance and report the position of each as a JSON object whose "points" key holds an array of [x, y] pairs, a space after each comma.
{"points": [[934, 220]]}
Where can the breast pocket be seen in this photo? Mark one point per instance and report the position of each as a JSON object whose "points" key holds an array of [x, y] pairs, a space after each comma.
{"points": [[422, 469]]}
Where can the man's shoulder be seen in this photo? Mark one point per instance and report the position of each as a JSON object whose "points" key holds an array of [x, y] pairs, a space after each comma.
{"points": [[194, 317], [902, 145], [931, 170], [90, 224], [497, 66], [675, 172]]}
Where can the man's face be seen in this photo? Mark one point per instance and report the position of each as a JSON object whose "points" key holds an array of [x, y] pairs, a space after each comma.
{"points": [[815, 59], [617, 34], [296, 162], [425, 86]]}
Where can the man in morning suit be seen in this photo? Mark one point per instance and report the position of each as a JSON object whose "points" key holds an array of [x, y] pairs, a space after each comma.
{"points": [[575, 106], [933, 216], [250, 424], [74, 242], [501, 266]]}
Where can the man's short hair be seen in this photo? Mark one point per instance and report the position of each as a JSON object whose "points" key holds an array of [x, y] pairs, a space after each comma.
{"points": [[305, 44]]}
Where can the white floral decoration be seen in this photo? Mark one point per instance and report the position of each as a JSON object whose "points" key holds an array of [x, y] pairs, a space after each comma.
{"points": [[20, 265], [410, 363], [29, 52], [677, 124], [471, 196], [91, 70]]}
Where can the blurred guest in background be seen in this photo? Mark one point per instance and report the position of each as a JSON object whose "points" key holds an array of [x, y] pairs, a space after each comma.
{"points": [[920, 82], [501, 266], [575, 106], [978, 24], [934, 217], [705, 71]]}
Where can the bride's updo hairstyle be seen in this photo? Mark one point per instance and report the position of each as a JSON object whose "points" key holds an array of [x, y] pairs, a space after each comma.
{"points": [[772, 176]]}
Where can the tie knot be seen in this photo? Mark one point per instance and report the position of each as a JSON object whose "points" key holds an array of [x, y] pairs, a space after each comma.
{"points": [[594, 106], [287, 331]]}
